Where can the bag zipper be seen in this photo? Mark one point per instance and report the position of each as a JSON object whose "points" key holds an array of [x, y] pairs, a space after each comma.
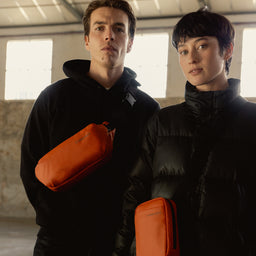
{"points": [[173, 225]]}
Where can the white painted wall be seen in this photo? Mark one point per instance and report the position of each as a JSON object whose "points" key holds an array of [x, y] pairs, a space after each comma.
{"points": [[68, 43]]}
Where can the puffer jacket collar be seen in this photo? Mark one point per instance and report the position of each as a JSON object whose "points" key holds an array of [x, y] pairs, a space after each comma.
{"points": [[203, 103]]}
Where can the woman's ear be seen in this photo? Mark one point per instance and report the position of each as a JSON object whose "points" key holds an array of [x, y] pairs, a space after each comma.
{"points": [[229, 52]]}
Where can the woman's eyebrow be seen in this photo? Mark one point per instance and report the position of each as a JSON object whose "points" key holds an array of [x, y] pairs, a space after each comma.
{"points": [[201, 38], [183, 43]]}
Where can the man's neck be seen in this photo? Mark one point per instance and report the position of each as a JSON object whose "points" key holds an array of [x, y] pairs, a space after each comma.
{"points": [[105, 76]]}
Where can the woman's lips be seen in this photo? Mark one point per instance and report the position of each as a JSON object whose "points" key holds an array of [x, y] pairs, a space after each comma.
{"points": [[195, 71]]}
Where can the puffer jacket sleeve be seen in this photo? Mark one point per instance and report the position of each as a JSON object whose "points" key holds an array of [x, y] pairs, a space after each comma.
{"points": [[249, 219], [139, 189], [248, 174]]}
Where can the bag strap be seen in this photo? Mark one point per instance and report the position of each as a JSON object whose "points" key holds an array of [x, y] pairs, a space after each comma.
{"points": [[130, 98]]}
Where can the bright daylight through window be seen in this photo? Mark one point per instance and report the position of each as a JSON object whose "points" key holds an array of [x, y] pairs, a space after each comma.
{"points": [[28, 68], [248, 74], [149, 58]]}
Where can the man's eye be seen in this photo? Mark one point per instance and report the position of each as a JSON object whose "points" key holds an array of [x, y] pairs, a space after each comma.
{"points": [[119, 29], [99, 28]]}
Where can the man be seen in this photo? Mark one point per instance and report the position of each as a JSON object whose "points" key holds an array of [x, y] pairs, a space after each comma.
{"points": [[200, 153], [83, 219]]}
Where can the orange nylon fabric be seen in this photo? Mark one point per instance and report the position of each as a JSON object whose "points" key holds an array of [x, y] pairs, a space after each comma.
{"points": [[155, 230], [76, 157]]}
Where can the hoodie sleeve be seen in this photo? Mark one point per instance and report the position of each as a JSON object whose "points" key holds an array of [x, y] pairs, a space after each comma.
{"points": [[35, 144]]}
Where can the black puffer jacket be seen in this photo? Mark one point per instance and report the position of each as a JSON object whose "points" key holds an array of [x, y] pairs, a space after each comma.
{"points": [[201, 154], [88, 213]]}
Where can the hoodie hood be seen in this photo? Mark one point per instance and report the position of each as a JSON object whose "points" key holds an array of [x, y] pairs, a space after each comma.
{"points": [[77, 69]]}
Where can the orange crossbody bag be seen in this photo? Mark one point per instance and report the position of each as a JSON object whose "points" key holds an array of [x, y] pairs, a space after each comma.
{"points": [[156, 228], [81, 154], [76, 157]]}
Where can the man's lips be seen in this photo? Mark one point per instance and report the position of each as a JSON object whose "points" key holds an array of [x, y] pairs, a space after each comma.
{"points": [[108, 48], [195, 71]]}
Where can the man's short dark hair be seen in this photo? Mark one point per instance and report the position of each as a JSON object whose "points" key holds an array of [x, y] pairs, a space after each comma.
{"points": [[118, 4], [205, 23]]}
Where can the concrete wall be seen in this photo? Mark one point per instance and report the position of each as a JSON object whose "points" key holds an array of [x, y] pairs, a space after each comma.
{"points": [[68, 44], [13, 115]]}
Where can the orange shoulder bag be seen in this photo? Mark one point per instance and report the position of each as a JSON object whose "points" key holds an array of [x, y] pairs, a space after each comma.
{"points": [[76, 157], [79, 155], [156, 228]]}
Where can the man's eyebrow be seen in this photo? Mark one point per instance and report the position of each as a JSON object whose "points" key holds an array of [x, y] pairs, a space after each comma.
{"points": [[120, 24], [104, 23], [99, 23]]}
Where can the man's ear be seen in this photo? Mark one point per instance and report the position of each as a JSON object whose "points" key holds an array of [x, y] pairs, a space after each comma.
{"points": [[86, 39], [129, 46], [229, 52]]}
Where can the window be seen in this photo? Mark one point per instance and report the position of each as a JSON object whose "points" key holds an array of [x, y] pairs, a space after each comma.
{"points": [[248, 75], [149, 58], [28, 68]]}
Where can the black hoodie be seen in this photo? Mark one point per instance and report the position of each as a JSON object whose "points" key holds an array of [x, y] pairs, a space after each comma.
{"points": [[89, 211]]}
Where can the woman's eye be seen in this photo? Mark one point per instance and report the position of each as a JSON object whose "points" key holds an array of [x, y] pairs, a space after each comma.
{"points": [[184, 52], [202, 46]]}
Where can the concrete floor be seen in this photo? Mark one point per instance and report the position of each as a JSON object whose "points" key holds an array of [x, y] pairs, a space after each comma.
{"points": [[17, 237]]}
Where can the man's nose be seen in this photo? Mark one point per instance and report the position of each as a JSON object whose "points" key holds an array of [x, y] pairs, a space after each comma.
{"points": [[109, 35]]}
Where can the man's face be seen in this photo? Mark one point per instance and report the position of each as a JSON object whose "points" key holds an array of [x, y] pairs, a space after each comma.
{"points": [[108, 40], [202, 63]]}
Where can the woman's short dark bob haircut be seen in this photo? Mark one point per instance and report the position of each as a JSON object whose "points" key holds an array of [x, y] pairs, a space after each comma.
{"points": [[205, 23], [118, 4]]}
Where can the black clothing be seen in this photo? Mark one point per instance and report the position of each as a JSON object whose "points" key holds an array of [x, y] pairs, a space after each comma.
{"points": [[88, 213], [201, 154]]}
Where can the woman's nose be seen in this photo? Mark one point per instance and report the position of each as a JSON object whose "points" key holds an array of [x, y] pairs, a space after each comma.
{"points": [[193, 56]]}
